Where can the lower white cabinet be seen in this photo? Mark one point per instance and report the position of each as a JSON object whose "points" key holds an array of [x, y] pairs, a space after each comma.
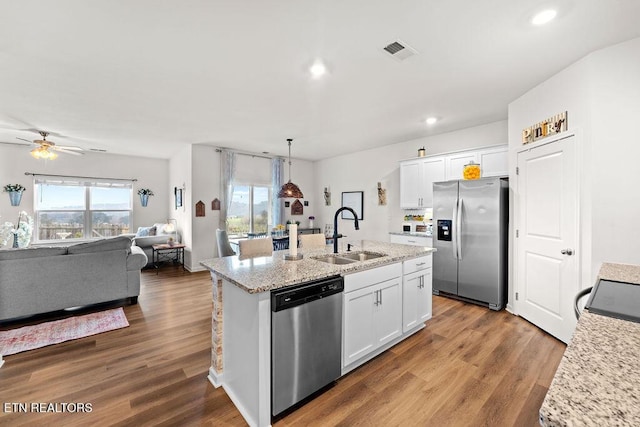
{"points": [[372, 311], [416, 292]]}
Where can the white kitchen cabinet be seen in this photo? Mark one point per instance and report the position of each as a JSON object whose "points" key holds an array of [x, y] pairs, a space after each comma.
{"points": [[456, 162], [410, 185], [408, 239], [416, 181], [418, 175], [494, 161], [416, 292], [372, 304]]}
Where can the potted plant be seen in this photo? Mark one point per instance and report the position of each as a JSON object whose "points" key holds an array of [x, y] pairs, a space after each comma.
{"points": [[144, 194], [15, 193]]}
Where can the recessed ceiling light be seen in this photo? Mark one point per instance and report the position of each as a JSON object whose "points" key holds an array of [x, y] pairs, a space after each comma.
{"points": [[544, 17], [431, 120], [318, 69]]}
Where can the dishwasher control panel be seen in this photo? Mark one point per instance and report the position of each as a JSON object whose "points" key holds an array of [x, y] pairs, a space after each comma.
{"points": [[293, 296]]}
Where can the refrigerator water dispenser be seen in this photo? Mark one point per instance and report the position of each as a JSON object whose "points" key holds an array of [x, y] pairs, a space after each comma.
{"points": [[444, 230]]}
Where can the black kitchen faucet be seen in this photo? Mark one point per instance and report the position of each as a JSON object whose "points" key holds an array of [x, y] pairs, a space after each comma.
{"points": [[336, 236]]}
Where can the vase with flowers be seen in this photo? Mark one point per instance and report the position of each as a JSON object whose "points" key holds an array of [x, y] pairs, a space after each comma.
{"points": [[18, 235], [15, 193], [144, 194]]}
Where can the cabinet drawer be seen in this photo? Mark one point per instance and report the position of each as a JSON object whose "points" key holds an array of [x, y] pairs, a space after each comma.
{"points": [[362, 279], [417, 264], [411, 240]]}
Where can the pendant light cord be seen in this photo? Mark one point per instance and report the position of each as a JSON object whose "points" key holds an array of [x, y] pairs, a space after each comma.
{"points": [[289, 141]]}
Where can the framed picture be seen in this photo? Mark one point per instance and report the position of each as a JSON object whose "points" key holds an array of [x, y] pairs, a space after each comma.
{"points": [[178, 194], [353, 200]]}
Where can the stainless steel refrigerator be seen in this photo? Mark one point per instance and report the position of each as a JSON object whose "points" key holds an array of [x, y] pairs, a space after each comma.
{"points": [[471, 220]]}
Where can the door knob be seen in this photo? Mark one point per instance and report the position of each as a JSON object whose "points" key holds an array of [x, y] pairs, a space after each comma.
{"points": [[567, 252]]}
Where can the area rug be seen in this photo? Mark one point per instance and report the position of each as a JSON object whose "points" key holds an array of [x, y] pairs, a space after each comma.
{"points": [[30, 337]]}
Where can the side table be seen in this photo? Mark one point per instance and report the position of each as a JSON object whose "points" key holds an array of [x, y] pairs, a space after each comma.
{"points": [[166, 252]]}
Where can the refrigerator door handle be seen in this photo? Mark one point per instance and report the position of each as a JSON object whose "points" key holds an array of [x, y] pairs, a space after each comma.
{"points": [[459, 229], [454, 230]]}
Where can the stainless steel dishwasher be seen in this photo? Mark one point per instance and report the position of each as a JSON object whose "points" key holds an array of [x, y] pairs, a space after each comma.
{"points": [[306, 340]]}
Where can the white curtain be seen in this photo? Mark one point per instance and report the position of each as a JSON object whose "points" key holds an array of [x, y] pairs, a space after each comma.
{"points": [[227, 169], [277, 211]]}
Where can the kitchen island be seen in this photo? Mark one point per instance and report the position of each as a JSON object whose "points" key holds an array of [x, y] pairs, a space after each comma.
{"points": [[598, 380], [241, 323]]}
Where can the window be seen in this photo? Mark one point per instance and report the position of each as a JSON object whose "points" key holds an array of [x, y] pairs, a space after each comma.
{"points": [[249, 211], [74, 208]]}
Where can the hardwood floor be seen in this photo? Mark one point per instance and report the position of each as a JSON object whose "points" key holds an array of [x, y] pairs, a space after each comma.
{"points": [[468, 367]]}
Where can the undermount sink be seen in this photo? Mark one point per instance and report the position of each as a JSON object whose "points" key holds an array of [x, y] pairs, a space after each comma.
{"points": [[361, 256], [332, 259], [348, 258]]}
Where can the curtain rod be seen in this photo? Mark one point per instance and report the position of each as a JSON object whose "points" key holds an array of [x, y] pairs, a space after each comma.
{"points": [[220, 150], [85, 177]]}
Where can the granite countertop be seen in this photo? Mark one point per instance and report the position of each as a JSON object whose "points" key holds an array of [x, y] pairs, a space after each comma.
{"points": [[598, 380], [263, 274], [411, 233]]}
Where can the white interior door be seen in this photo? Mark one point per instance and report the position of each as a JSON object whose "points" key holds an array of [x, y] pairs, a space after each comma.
{"points": [[547, 267]]}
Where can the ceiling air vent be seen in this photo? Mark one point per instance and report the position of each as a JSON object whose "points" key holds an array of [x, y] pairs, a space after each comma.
{"points": [[400, 50], [99, 150]]}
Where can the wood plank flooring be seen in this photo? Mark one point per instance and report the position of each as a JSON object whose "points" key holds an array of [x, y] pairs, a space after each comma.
{"points": [[468, 367]]}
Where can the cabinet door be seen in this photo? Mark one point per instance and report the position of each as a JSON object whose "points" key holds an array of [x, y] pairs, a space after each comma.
{"points": [[456, 162], [433, 170], [494, 161], [358, 334], [388, 311], [410, 184], [424, 297], [410, 287]]}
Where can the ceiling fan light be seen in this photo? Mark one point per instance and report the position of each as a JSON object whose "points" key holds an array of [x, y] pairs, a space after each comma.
{"points": [[43, 153]]}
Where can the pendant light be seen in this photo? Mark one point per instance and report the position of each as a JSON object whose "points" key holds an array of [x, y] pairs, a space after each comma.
{"points": [[290, 190]]}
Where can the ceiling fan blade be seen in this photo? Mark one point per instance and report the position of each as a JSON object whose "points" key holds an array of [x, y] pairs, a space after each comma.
{"points": [[70, 148], [15, 143], [62, 150], [22, 139]]}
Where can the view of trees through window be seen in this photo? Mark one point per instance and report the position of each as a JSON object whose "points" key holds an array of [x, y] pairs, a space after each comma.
{"points": [[249, 210], [82, 210]]}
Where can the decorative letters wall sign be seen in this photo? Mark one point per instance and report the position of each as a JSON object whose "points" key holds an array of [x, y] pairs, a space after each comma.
{"points": [[551, 126]]}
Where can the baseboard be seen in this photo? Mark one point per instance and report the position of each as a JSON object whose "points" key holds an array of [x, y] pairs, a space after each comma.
{"points": [[214, 378]]}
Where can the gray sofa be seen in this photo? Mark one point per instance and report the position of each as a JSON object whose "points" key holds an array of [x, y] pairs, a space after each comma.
{"points": [[43, 279]]}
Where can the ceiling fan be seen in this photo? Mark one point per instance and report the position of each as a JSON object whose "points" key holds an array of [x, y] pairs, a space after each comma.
{"points": [[48, 150]]}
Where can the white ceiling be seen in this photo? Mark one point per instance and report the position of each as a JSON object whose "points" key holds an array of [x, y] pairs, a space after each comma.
{"points": [[147, 77]]}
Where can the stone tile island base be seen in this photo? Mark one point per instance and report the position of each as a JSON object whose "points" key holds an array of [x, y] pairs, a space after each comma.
{"points": [[215, 372]]}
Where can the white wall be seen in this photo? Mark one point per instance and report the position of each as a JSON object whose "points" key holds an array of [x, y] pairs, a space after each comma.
{"points": [[180, 168], [150, 173], [601, 93], [614, 76], [206, 187], [362, 171]]}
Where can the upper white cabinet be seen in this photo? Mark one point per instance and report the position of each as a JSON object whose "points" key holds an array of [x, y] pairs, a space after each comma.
{"points": [[413, 174], [457, 161], [494, 161], [418, 175], [410, 184]]}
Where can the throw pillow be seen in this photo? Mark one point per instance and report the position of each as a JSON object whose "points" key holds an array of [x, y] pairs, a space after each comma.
{"points": [[146, 231]]}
